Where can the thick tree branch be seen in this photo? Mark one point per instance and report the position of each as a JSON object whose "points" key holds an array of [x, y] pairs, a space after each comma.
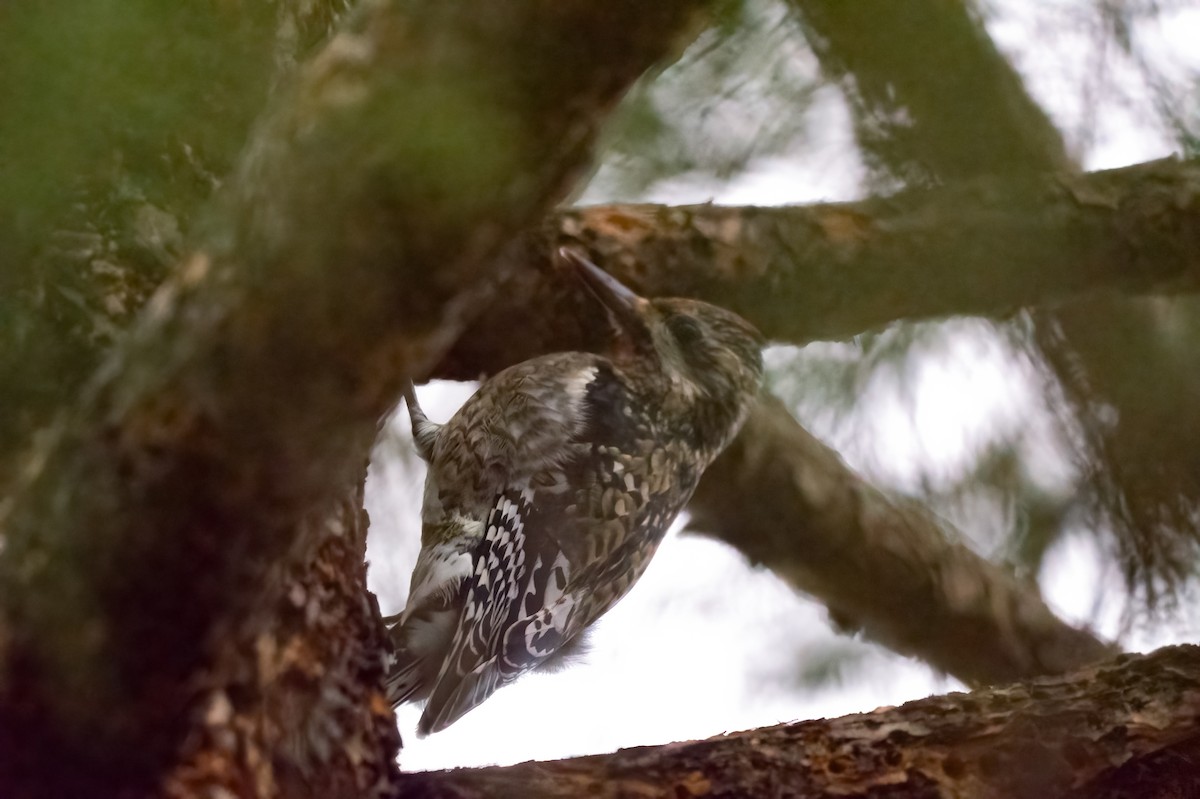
{"points": [[350, 250], [802, 273], [890, 569], [1073, 737]]}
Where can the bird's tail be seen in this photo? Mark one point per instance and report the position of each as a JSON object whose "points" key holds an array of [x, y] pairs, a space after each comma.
{"points": [[405, 680], [452, 698]]}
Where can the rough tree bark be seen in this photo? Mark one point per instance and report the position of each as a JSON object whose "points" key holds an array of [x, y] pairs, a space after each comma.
{"points": [[1126, 728], [150, 526], [987, 246]]}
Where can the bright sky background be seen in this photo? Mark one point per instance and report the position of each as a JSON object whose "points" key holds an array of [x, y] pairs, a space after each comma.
{"points": [[705, 643]]}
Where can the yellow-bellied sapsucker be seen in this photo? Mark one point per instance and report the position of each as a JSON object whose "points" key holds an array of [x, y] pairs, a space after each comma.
{"points": [[551, 488]]}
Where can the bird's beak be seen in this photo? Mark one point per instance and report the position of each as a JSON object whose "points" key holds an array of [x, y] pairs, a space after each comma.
{"points": [[627, 309]]}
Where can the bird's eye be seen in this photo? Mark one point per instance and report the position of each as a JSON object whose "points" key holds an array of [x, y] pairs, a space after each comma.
{"points": [[686, 330]]}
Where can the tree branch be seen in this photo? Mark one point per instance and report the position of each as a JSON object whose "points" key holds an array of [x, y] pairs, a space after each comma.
{"points": [[804, 273], [907, 68], [351, 247], [1073, 737], [890, 569]]}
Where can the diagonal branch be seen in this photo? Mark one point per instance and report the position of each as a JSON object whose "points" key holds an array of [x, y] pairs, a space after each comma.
{"points": [[933, 99], [890, 569]]}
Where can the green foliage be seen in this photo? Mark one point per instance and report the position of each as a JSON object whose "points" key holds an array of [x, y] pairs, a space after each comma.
{"points": [[107, 123], [102, 85]]}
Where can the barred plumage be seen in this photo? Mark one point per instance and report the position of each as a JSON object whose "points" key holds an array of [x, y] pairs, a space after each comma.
{"points": [[551, 488]]}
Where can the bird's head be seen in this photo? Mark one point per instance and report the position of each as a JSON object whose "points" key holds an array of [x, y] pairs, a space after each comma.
{"points": [[710, 354]]}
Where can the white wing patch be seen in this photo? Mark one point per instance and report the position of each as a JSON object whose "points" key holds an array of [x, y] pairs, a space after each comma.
{"points": [[577, 388], [545, 632]]}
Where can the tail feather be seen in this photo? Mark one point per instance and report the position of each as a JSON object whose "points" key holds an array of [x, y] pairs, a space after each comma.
{"points": [[419, 643], [405, 681], [453, 697]]}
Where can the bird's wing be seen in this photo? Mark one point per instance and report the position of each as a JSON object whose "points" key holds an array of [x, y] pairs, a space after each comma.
{"points": [[555, 554], [472, 670]]}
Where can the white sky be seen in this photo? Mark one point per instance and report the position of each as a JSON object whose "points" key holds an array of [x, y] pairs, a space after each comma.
{"points": [[705, 643]]}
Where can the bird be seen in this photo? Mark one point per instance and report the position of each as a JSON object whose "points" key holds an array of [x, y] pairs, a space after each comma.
{"points": [[550, 490]]}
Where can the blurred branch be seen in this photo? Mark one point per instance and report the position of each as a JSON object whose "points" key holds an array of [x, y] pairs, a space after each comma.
{"points": [[802, 273], [933, 99], [1130, 372], [1120, 729], [887, 568], [94, 223], [155, 518]]}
